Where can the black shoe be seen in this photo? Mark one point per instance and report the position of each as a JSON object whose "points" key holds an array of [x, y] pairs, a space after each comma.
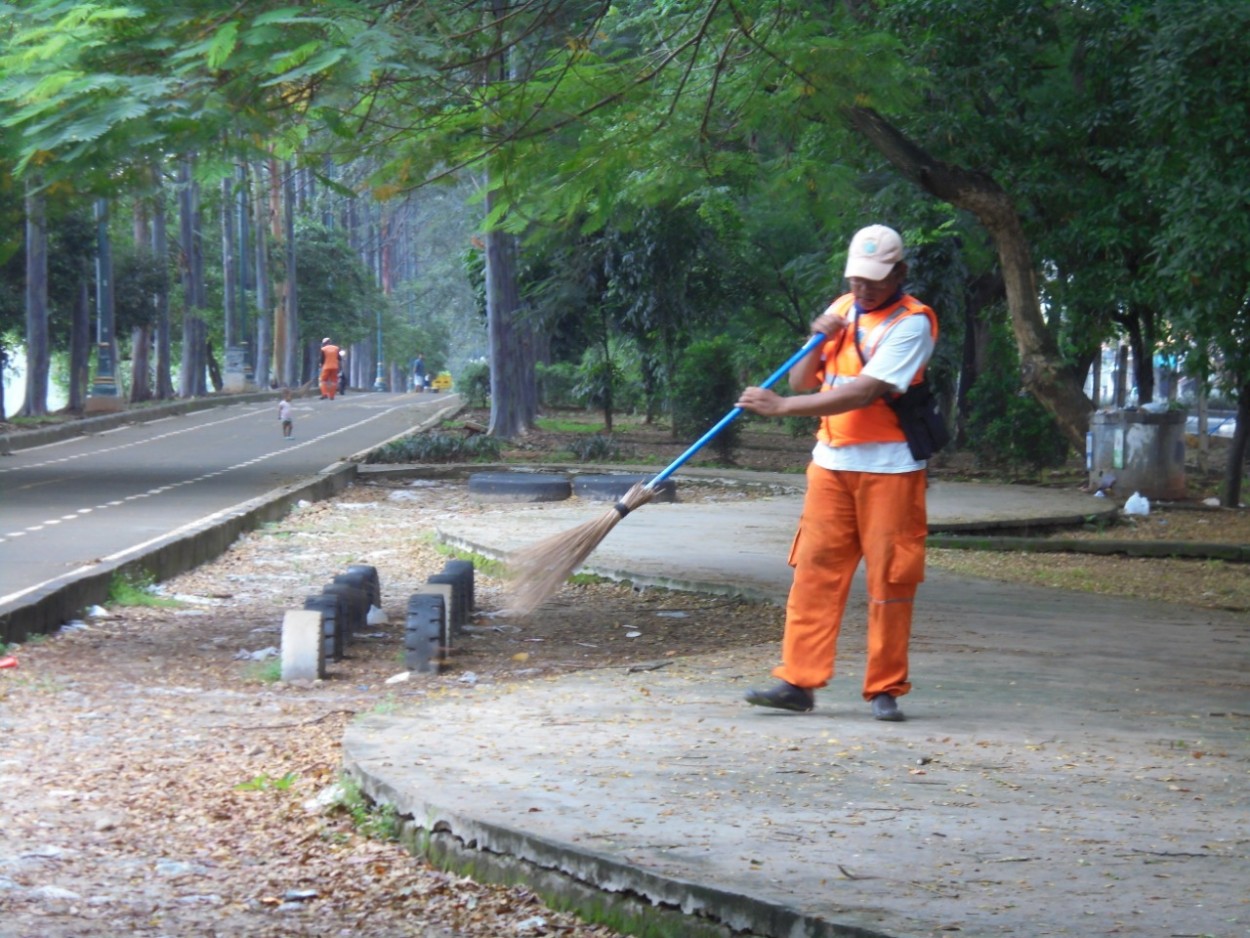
{"points": [[785, 696], [884, 707]]}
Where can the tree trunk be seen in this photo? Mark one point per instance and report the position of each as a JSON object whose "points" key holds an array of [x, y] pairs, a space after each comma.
{"points": [[1042, 371], [229, 265], [513, 388], [277, 291], [140, 364], [80, 340], [37, 344], [980, 293], [260, 228], [290, 305], [214, 367], [1139, 324], [194, 329], [141, 335], [164, 341], [1231, 496], [1121, 377]]}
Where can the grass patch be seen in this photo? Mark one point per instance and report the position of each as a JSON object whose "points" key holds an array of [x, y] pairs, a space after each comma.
{"points": [[265, 782], [578, 422], [591, 579], [484, 565], [596, 448], [372, 820], [266, 672], [569, 425], [135, 589]]}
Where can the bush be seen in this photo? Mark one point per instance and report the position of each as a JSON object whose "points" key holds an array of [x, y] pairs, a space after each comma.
{"points": [[801, 426], [555, 384], [474, 384], [609, 381], [437, 447], [1004, 426], [596, 448], [705, 388]]}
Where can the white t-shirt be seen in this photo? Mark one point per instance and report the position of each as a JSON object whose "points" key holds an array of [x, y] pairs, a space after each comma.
{"points": [[894, 358]]}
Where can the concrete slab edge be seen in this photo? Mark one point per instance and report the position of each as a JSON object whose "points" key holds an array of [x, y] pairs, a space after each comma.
{"points": [[1192, 550], [775, 482], [598, 887]]}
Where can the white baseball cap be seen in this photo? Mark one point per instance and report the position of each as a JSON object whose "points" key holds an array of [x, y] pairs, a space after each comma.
{"points": [[874, 252]]}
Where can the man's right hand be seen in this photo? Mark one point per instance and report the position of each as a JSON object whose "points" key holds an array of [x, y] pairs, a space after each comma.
{"points": [[828, 324]]}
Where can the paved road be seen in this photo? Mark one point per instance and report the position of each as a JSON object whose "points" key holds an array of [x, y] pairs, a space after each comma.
{"points": [[72, 506]]}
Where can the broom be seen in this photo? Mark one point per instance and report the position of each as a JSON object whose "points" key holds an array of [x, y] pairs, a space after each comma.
{"points": [[542, 568]]}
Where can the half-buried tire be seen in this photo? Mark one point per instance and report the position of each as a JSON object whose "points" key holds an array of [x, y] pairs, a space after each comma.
{"points": [[519, 487], [612, 487]]}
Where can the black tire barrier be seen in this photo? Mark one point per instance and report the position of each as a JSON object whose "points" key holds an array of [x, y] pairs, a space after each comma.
{"points": [[425, 633], [332, 608], [519, 487], [464, 570], [356, 607], [458, 613], [358, 581], [369, 575], [612, 487]]}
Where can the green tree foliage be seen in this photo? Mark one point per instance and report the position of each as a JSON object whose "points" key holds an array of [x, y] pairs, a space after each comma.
{"points": [[1007, 427], [137, 280], [608, 378], [1190, 98], [705, 390], [556, 383], [1086, 147], [473, 382], [337, 296]]}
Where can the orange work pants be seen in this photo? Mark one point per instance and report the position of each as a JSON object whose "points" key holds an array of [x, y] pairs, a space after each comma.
{"points": [[849, 516], [330, 382]]}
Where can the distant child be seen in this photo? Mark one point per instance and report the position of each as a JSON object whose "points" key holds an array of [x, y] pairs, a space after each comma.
{"points": [[284, 414]]}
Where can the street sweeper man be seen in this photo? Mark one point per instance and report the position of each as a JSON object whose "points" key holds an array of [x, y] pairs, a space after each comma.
{"points": [[865, 491]]}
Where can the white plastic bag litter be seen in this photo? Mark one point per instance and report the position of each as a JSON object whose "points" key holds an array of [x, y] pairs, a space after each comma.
{"points": [[1137, 504]]}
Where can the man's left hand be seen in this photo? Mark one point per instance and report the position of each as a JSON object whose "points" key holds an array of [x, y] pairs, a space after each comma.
{"points": [[762, 401]]}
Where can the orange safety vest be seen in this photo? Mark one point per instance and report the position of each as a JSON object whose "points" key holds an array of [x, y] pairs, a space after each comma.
{"points": [[330, 357], [875, 423]]}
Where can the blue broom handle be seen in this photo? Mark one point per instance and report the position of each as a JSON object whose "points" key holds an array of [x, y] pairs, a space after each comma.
{"points": [[702, 441]]}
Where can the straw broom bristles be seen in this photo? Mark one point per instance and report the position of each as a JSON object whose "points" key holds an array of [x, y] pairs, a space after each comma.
{"points": [[542, 568]]}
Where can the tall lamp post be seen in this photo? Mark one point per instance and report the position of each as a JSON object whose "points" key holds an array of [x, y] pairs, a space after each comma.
{"points": [[379, 381]]}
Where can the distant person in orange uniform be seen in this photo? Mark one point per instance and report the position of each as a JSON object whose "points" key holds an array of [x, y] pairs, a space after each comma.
{"points": [[331, 362], [865, 492]]}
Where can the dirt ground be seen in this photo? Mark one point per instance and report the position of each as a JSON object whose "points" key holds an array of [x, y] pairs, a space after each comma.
{"points": [[158, 781]]}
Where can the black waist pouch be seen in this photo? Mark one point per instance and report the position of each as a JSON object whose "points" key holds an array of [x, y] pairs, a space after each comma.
{"points": [[921, 419]]}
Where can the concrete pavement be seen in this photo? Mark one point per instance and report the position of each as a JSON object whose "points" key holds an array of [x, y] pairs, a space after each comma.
{"points": [[1071, 764]]}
